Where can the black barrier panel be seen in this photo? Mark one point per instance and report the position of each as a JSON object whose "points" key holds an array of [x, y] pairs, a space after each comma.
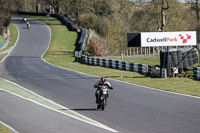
{"points": [[104, 62], [134, 39], [83, 35], [123, 65], [190, 59], [32, 13], [98, 62], [110, 63], [174, 58], [65, 21], [117, 64], [131, 66], [181, 58], [195, 57], [185, 61]]}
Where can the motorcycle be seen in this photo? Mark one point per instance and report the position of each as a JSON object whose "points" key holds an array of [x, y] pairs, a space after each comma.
{"points": [[24, 19], [28, 25], [102, 94]]}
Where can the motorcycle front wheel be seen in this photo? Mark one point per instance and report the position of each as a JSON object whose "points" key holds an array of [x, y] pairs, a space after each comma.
{"points": [[102, 104], [98, 106]]}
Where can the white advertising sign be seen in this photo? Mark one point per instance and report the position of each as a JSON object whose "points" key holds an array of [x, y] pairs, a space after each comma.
{"points": [[149, 39]]}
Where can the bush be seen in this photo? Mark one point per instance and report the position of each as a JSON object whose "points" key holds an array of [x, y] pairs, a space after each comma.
{"points": [[95, 48]]}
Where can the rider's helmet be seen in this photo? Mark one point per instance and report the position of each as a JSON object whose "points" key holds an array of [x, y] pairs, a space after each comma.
{"points": [[103, 79]]}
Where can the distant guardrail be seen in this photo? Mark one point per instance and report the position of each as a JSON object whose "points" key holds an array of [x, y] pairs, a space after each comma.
{"points": [[115, 64], [80, 45], [196, 73], [65, 21], [61, 17], [5, 42], [152, 71]]}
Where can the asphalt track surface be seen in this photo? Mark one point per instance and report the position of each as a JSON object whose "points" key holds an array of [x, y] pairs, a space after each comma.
{"points": [[130, 109]]}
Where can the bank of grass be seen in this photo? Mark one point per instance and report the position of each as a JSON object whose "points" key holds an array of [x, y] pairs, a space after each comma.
{"points": [[149, 61], [12, 39], [61, 53], [1, 58], [3, 129], [1, 39]]}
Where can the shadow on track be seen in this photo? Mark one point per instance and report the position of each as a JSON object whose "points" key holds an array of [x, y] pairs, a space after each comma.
{"points": [[82, 109]]}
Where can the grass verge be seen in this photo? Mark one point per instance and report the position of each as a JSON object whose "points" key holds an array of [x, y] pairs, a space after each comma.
{"points": [[1, 39], [149, 61], [12, 39], [61, 53], [3, 129]]}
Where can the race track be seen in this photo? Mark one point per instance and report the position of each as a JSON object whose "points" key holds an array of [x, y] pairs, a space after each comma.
{"points": [[130, 109]]}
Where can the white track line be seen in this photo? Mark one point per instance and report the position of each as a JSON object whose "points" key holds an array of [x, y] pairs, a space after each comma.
{"points": [[94, 123], [8, 127]]}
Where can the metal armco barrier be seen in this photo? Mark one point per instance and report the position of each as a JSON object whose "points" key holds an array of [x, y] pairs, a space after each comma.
{"points": [[115, 64], [4, 43], [196, 73], [135, 67]]}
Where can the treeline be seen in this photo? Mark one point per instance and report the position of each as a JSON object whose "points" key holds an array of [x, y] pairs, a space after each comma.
{"points": [[111, 20], [4, 15], [9, 6]]}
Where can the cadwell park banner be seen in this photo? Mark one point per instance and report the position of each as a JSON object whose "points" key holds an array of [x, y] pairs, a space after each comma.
{"points": [[154, 39]]}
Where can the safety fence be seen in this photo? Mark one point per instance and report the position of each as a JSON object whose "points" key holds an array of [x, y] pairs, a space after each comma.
{"points": [[6, 41], [80, 45], [65, 21], [196, 73], [116, 64], [152, 71]]}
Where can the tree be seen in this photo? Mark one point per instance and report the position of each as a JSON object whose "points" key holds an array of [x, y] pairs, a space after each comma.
{"points": [[25, 5], [5, 16], [55, 4], [102, 8], [197, 10], [164, 8]]}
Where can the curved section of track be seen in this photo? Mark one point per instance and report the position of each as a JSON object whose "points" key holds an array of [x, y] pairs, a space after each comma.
{"points": [[131, 108]]}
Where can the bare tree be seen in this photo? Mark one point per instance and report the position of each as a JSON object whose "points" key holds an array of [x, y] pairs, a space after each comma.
{"points": [[197, 10], [164, 8], [5, 16]]}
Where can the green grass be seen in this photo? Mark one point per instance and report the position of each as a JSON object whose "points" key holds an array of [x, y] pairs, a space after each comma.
{"points": [[3, 129], [62, 43], [13, 35], [1, 39], [61, 53], [1, 57], [12, 39], [149, 61]]}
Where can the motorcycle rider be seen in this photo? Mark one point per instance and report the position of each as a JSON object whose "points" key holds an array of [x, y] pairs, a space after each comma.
{"points": [[28, 25], [24, 19], [101, 82]]}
